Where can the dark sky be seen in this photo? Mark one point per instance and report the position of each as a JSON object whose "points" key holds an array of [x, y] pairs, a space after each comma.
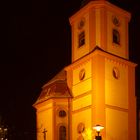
{"points": [[35, 45]]}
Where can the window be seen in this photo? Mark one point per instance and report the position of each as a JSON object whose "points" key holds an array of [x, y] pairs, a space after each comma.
{"points": [[62, 133], [81, 39], [62, 113], [116, 37], [116, 73]]}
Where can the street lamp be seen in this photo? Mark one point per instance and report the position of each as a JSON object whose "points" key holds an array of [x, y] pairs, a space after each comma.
{"points": [[98, 128]]}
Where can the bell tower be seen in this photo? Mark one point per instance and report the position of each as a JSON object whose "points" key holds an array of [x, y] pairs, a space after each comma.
{"points": [[102, 24], [101, 77]]}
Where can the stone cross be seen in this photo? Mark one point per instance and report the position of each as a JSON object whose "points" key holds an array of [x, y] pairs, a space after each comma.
{"points": [[44, 132]]}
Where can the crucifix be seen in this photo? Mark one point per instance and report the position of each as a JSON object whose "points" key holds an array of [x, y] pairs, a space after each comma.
{"points": [[44, 132]]}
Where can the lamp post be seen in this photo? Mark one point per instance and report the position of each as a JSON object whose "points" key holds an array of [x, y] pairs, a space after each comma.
{"points": [[98, 128]]}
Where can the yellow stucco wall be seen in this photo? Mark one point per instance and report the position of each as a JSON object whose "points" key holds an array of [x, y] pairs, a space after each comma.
{"points": [[116, 90], [82, 102], [43, 123], [78, 117], [116, 124], [76, 70], [98, 27], [86, 83], [86, 86]]}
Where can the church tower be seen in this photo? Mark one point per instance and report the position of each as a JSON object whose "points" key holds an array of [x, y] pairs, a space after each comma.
{"points": [[98, 87], [101, 77]]}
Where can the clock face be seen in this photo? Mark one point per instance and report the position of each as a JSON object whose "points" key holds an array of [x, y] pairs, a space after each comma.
{"points": [[115, 21], [82, 74], [116, 73], [81, 23]]}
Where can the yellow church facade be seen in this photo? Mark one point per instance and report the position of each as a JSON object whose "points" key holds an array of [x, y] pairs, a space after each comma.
{"points": [[98, 87]]}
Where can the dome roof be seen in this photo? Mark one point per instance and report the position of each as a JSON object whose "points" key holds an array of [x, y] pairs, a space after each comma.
{"points": [[55, 88]]}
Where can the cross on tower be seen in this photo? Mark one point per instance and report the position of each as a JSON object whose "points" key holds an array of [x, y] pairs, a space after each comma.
{"points": [[44, 132]]}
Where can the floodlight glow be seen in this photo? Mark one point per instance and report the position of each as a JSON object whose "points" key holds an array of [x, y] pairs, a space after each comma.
{"points": [[98, 128]]}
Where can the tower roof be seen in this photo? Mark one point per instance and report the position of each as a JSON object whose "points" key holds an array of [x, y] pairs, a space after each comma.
{"points": [[55, 88], [59, 76]]}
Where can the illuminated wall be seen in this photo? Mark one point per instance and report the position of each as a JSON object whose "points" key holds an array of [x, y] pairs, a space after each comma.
{"points": [[61, 105], [85, 118], [116, 95], [45, 111], [116, 99], [104, 93], [49, 119], [98, 20], [77, 83], [82, 101]]}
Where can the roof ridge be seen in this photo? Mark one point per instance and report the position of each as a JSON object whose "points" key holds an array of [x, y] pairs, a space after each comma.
{"points": [[60, 76]]}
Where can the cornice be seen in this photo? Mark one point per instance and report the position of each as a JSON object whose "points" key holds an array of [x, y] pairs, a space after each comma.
{"points": [[107, 55], [99, 4]]}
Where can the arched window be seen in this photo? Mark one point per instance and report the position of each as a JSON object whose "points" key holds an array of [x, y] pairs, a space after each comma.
{"points": [[62, 113], [81, 39], [116, 37], [62, 132]]}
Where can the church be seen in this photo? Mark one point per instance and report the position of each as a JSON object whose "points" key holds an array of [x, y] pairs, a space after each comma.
{"points": [[98, 87]]}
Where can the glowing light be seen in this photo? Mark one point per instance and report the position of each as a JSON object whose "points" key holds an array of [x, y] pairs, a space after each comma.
{"points": [[98, 128]]}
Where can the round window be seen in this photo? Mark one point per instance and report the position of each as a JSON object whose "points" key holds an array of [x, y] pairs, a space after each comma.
{"points": [[81, 23], [116, 21]]}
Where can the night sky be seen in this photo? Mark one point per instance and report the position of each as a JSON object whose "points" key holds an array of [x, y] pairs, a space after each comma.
{"points": [[35, 45]]}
